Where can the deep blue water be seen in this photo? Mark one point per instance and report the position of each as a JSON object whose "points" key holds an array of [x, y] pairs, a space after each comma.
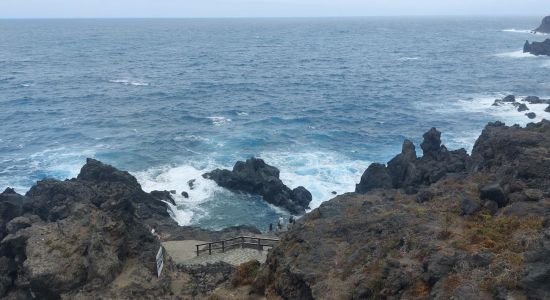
{"points": [[318, 98]]}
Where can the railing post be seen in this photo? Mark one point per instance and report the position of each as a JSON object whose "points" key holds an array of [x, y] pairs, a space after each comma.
{"points": [[197, 250], [223, 246], [210, 249], [259, 245], [242, 242]]}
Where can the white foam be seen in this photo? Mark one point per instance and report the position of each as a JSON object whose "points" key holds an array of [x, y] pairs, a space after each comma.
{"points": [[515, 54], [219, 121], [529, 31], [129, 82], [506, 112], [319, 172], [177, 178], [409, 58], [242, 113]]}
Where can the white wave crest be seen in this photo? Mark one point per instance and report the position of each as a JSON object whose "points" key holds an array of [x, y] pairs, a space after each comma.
{"points": [[529, 31], [219, 121], [129, 82], [322, 173], [515, 54], [409, 58], [176, 178]]}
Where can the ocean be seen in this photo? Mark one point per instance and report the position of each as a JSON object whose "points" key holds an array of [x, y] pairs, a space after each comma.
{"points": [[170, 99]]}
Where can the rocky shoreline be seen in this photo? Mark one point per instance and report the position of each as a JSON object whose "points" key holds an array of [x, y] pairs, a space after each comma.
{"points": [[443, 225]]}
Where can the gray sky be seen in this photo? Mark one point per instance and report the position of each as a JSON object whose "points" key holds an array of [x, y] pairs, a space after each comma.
{"points": [[265, 8]]}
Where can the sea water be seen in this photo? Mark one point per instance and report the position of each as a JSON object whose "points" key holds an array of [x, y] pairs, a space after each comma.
{"points": [[170, 99]]}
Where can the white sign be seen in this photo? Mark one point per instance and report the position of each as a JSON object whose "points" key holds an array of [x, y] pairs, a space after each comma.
{"points": [[160, 261]]}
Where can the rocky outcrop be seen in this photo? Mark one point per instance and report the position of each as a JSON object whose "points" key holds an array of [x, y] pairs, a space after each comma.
{"points": [[481, 235], [409, 172], [254, 176], [544, 26], [92, 237], [537, 48]]}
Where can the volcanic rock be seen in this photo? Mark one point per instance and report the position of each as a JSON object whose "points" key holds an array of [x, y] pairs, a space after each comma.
{"points": [[544, 26], [254, 176], [537, 48]]}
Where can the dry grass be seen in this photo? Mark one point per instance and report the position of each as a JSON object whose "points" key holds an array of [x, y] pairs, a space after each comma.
{"points": [[245, 273]]}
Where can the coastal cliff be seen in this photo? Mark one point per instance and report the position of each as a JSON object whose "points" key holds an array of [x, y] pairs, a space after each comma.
{"points": [[443, 225], [479, 232]]}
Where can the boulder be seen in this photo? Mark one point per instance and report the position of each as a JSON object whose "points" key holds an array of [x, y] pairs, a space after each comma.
{"points": [[469, 206], [494, 192], [522, 107], [544, 26], [185, 194], [535, 100], [531, 115], [254, 176], [537, 48], [509, 98], [547, 109], [302, 196], [375, 177], [533, 194]]}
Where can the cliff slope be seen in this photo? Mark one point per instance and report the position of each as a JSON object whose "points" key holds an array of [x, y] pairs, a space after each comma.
{"points": [[478, 231]]}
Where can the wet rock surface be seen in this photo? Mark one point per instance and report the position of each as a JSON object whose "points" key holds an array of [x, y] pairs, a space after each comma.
{"points": [[254, 176]]}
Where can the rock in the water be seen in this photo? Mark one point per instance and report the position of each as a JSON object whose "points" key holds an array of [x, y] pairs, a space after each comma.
{"points": [[301, 196], [494, 192], [191, 183], [531, 115], [163, 196], [509, 98], [254, 176], [375, 177], [536, 100], [547, 109], [522, 107], [544, 26], [537, 48], [185, 194]]}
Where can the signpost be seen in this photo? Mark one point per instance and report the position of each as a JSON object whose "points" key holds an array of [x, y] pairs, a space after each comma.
{"points": [[160, 261]]}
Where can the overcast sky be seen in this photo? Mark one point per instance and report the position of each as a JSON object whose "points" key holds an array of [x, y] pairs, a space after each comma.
{"points": [[265, 8]]}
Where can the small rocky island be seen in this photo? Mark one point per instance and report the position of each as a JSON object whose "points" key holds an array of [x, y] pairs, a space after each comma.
{"points": [[446, 225], [254, 176], [537, 48], [544, 26]]}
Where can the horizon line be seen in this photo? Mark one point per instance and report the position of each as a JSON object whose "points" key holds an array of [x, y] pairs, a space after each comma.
{"points": [[268, 17]]}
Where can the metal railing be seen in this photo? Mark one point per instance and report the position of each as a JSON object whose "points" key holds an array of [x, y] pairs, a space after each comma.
{"points": [[237, 242]]}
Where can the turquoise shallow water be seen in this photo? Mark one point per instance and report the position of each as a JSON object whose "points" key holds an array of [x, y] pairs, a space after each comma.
{"points": [[318, 98]]}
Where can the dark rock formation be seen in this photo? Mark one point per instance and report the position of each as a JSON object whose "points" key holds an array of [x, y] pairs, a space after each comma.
{"points": [[544, 26], [509, 98], [256, 177], [531, 115], [537, 48], [522, 107], [375, 177], [547, 109], [91, 238], [409, 172], [536, 100], [163, 196], [446, 242]]}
